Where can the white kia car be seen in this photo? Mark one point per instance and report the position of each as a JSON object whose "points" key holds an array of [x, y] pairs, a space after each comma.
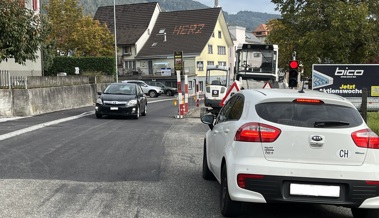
{"points": [[282, 145]]}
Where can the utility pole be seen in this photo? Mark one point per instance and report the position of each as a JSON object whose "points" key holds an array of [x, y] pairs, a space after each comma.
{"points": [[115, 37]]}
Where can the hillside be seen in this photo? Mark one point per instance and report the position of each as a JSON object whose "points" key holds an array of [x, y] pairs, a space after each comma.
{"points": [[247, 19]]}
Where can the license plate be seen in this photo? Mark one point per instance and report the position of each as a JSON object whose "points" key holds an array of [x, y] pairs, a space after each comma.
{"points": [[114, 108], [315, 190]]}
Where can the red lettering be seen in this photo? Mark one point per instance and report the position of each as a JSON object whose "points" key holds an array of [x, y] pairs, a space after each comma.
{"points": [[184, 30], [192, 29], [176, 30], [201, 26]]}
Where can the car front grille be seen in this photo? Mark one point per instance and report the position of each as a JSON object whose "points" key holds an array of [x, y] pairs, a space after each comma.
{"points": [[115, 103]]}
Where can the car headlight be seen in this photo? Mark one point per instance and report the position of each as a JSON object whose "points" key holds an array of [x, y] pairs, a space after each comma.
{"points": [[99, 101], [131, 103]]}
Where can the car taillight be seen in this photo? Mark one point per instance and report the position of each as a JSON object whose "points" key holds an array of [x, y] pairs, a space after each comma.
{"points": [[257, 132], [366, 138], [241, 179], [372, 183]]}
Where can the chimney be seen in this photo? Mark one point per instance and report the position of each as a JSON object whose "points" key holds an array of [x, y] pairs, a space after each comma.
{"points": [[216, 4]]}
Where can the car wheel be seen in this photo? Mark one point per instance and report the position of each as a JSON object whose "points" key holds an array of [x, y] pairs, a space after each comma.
{"points": [[153, 94], [144, 111], [228, 207], [137, 114], [98, 116], [207, 174], [365, 213], [169, 93]]}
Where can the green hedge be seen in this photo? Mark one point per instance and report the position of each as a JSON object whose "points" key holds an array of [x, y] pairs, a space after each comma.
{"points": [[106, 65]]}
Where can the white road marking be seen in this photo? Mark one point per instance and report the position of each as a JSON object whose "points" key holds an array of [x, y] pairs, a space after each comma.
{"points": [[39, 126]]}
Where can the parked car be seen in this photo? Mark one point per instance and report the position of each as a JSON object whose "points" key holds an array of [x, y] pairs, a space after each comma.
{"points": [[152, 91], [169, 91], [283, 146], [125, 99]]}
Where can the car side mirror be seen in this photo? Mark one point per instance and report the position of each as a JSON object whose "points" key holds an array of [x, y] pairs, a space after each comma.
{"points": [[208, 119]]}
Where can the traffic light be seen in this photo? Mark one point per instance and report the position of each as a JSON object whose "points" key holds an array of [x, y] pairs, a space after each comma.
{"points": [[293, 73]]}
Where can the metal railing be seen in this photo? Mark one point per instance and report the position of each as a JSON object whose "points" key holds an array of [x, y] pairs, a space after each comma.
{"points": [[7, 81]]}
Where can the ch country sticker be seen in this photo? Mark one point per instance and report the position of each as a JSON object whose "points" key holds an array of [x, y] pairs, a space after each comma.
{"points": [[344, 153]]}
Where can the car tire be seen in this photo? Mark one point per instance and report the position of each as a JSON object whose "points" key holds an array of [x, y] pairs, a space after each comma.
{"points": [[207, 174], [153, 94], [228, 207], [144, 110], [169, 93], [137, 114], [365, 213], [98, 116]]}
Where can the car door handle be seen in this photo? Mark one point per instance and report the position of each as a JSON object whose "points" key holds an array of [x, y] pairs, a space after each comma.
{"points": [[226, 130], [216, 132]]}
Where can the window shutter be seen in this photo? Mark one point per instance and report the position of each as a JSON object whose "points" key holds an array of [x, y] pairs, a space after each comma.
{"points": [[35, 5]]}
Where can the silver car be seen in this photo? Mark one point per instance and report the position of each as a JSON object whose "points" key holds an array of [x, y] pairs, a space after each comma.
{"points": [[152, 91]]}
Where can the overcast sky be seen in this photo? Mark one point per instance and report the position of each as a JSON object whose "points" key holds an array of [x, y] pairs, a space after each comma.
{"points": [[234, 6]]}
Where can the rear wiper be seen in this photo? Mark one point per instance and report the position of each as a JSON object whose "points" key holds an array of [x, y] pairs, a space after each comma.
{"points": [[330, 123]]}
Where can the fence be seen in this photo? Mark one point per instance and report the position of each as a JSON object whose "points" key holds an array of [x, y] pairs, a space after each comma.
{"points": [[7, 81]]}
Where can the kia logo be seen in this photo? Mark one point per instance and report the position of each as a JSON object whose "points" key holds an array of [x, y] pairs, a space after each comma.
{"points": [[316, 138], [114, 102]]}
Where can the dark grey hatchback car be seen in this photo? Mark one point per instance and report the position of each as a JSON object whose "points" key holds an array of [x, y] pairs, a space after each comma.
{"points": [[121, 99]]}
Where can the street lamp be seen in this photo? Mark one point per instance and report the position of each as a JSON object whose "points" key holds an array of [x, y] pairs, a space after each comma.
{"points": [[115, 36]]}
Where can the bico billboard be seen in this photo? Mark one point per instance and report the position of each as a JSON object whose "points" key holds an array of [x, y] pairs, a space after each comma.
{"points": [[346, 80]]}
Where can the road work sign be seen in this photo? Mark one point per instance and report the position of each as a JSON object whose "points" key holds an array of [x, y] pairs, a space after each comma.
{"points": [[231, 91]]}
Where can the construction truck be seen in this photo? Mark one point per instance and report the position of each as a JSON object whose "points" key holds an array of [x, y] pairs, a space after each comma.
{"points": [[217, 81], [257, 65]]}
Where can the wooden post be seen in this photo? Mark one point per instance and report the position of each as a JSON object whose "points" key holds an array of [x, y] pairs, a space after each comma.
{"points": [[364, 104]]}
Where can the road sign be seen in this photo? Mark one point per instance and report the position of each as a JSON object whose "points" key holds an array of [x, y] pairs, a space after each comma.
{"points": [[267, 85], [231, 91], [178, 60]]}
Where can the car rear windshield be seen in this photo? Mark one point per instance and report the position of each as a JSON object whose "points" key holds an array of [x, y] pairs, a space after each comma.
{"points": [[309, 115]]}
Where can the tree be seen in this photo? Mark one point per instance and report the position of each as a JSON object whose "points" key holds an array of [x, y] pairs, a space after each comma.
{"points": [[327, 31], [76, 34], [92, 39], [21, 32], [63, 15]]}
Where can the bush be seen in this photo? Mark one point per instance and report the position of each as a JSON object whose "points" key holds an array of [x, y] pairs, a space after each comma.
{"points": [[105, 65], [373, 121]]}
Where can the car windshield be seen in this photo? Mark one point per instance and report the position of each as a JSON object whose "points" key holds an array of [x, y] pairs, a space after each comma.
{"points": [[309, 115], [121, 89]]}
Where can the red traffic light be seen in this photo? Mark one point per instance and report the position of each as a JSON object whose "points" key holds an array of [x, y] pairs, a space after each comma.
{"points": [[294, 64]]}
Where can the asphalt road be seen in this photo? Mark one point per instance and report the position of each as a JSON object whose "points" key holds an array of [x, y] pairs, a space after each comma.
{"points": [[70, 164]]}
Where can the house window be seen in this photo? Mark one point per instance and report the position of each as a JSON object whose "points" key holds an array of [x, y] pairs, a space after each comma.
{"points": [[190, 85], [210, 49], [130, 65], [219, 34], [221, 50], [210, 63], [222, 63], [200, 65], [213, 34], [128, 50], [201, 86]]}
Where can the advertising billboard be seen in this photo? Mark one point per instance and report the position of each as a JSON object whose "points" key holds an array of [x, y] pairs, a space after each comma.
{"points": [[346, 80]]}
